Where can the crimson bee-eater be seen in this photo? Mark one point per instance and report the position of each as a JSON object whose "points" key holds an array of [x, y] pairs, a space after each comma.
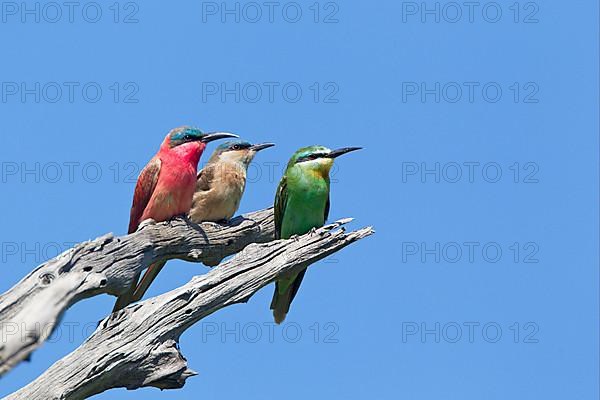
{"points": [[165, 188], [301, 204], [220, 184]]}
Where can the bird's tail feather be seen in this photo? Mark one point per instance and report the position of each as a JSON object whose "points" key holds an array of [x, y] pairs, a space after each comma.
{"points": [[137, 290], [280, 304], [125, 299], [147, 279], [282, 298]]}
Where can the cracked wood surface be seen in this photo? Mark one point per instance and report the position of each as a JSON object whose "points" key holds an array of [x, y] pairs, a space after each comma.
{"points": [[33, 307], [138, 346]]}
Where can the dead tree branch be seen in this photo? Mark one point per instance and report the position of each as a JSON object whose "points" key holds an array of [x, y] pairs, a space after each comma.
{"points": [[31, 309], [138, 346]]}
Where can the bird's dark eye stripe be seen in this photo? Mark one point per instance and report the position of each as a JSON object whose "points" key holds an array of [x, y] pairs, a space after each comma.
{"points": [[239, 146], [312, 156]]}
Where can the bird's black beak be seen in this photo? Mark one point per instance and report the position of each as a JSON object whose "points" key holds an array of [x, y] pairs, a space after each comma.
{"points": [[209, 137], [261, 146], [338, 152]]}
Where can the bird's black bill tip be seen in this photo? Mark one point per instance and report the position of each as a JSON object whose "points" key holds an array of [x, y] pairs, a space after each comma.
{"points": [[209, 137], [338, 152], [261, 146]]}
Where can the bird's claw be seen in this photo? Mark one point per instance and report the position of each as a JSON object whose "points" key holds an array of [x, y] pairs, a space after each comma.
{"points": [[182, 217]]}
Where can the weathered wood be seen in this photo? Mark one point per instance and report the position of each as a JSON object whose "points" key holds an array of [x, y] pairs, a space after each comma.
{"points": [[32, 308], [138, 346]]}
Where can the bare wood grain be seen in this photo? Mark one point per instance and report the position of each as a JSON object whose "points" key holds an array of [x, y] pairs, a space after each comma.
{"points": [[32, 308], [138, 346]]}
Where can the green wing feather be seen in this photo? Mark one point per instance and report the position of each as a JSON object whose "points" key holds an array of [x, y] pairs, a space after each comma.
{"points": [[280, 205]]}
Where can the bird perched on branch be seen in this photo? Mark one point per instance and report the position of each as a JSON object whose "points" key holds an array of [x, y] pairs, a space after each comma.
{"points": [[220, 184], [301, 204], [164, 190]]}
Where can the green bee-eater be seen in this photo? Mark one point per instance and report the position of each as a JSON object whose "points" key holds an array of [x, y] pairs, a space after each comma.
{"points": [[301, 204]]}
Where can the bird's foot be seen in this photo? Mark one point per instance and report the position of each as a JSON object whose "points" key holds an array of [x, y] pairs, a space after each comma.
{"points": [[295, 237], [178, 218], [146, 223]]}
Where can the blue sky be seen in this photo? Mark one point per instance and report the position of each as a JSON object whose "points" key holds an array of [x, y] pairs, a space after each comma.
{"points": [[479, 174]]}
